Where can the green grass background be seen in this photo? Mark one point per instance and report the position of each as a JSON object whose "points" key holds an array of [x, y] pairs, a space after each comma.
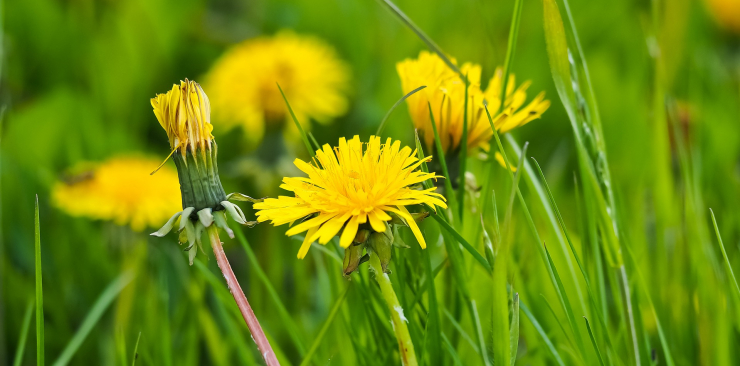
{"points": [[76, 81]]}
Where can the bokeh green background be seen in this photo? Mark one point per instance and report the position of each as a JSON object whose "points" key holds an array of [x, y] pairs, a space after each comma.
{"points": [[76, 81]]}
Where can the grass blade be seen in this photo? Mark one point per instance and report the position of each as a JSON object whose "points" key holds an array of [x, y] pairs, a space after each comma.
{"points": [[314, 142], [442, 160], [39, 289], [542, 333], [304, 137], [293, 330], [593, 341], [414, 28], [463, 156], [393, 108], [724, 254], [478, 257], [24, 335], [451, 349], [136, 350], [514, 328], [325, 327], [433, 342], [93, 316]]}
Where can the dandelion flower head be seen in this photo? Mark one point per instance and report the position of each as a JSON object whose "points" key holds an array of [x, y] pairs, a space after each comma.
{"points": [[351, 185], [445, 93], [185, 114], [120, 190], [242, 83]]}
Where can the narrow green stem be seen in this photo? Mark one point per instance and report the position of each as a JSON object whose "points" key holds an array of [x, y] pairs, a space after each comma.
{"points": [[405, 346]]}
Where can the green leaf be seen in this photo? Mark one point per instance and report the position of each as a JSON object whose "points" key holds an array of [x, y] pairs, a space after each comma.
{"points": [[39, 290], [93, 316]]}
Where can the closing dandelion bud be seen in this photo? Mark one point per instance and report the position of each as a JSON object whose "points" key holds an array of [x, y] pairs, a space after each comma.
{"points": [[184, 113]]}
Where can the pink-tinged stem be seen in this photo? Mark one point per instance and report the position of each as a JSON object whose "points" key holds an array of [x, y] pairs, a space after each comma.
{"points": [[252, 323]]}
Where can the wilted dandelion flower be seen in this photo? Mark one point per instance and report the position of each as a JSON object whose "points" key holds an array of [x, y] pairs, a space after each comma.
{"points": [[184, 113], [445, 92], [352, 189], [243, 90], [119, 190]]}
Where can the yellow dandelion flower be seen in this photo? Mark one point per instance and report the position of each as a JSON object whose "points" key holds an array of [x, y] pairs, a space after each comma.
{"points": [[445, 92], [242, 83], [348, 188], [120, 190]]}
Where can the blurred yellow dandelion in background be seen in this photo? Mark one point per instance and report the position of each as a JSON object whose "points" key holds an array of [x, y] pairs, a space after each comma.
{"points": [[243, 90], [726, 13], [120, 190], [350, 188], [445, 92]]}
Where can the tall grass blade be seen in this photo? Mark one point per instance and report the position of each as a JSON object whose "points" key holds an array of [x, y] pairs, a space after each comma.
{"points": [[325, 327], [393, 108], [661, 334], [724, 255], [297, 124], [93, 316], [293, 330], [424, 38], [314, 141], [442, 160], [593, 342], [568, 309], [510, 48], [451, 350], [136, 350], [476, 255], [26, 325], [514, 327], [479, 331], [39, 289], [433, 341], [543, 334], [463, 156]]}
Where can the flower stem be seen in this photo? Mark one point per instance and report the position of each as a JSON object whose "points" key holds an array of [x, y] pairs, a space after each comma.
{"points": [[252, 323], [405, 346]]}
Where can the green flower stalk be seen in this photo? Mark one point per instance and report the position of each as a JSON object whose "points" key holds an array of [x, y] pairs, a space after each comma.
{"points": [[185, 114]]}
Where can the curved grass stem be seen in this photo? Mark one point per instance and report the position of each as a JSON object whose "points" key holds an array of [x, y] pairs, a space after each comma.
{"points": [[241, 300], [405, 346]]}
